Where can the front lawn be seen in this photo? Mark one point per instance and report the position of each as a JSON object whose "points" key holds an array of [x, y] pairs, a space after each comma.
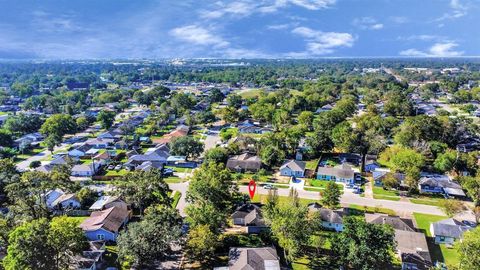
{"points": [[173, 180], [176, 197], [260, 198], [122, 172], [321, 183], [361, 210]]}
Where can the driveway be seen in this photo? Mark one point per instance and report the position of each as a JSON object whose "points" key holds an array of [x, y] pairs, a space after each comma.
{"points": [[211, 140], [182, 188]]}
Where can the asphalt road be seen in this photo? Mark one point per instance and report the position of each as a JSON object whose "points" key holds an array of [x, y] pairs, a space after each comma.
{"points": [[401, 208], [24, 165]]}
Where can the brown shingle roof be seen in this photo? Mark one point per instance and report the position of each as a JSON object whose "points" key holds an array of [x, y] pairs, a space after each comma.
{"points": [[110, 219]]}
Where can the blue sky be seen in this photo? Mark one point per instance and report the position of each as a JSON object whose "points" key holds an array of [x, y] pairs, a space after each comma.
{"points": [[78, 29]]}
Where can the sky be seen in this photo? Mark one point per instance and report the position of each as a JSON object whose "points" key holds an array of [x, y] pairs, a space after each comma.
{"points": [[155, 29]]}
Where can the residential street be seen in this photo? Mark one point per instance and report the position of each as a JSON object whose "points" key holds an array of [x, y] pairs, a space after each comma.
{"points": [[22, 166], [401, 208]]}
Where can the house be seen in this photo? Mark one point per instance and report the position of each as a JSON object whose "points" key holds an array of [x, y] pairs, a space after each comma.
{"points": [[180, 131], [249, 216], [331, 219], [99, 143], [80, 151], [447, 231], [440, 184], [263, 258], [342, 173], [105, 224], [371, 165], [51, 196], [103, 158], [66, 201], [85, 170], [379, 175], [324, 108], [148, 165], [105, 202], [396, 222], [293, 168], [91, 258], [412, 247], [157, 156], [244, 163]]}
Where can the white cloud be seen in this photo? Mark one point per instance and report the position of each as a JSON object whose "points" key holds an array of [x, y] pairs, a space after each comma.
{"points": [[320, 43], [244, 8], [458, 10], [198, 35], [424, 38], [445, 49], [367, 23]]}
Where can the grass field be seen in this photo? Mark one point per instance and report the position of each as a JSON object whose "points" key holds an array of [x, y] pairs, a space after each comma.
{"points": [[117, 173], [427, 200], [321, 183], [173, 179], [250, 93], [311, 164], [438, 252], [368, 209]]}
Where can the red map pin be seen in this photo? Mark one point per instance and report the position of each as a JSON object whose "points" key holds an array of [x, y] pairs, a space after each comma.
{"points": [[251, 188]]}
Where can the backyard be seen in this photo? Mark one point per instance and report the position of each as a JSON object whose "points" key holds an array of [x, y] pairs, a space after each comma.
{"points": [[437, 252]]}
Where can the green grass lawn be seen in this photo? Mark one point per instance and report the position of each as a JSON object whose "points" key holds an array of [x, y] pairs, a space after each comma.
{"points": [[380, 193], [260, 198], [176, 197], [428, 200], [173, 179], [312, 164], [369, 209], [122, 172], [320, 183], [440, 253], [250, 93], [179, 169]]}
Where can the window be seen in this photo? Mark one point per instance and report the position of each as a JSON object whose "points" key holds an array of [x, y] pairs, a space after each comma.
{"points": [[442, 238], [100, 237]]}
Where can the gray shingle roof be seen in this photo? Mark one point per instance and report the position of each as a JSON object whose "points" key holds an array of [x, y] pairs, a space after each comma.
{"points": [[265, 258], [294, 165], [449, 228]]}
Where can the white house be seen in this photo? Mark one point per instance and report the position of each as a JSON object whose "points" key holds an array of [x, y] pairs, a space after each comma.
{"points": [[85, 170], [293, 168]]}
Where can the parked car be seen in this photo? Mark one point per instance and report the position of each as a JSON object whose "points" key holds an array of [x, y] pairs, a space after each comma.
{"points": [[469, 223], [168, 172], [118, 167], [111, 167], [268, 186]]}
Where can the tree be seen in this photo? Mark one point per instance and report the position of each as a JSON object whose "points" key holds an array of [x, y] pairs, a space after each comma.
{"points": [[305, 119], [472, 186], [402, 159], [39, 244], [290, 225], [27, 194], [23, 123], [234, 100], [51, 141], [106, 118], [452, 207], [149, 240], [211, 195], [363, 245], [272, 155], [216, 155], [143, 189], [58, 125], [468, 249], [35, 164], [186, 146], [8, 174], [6, 138], [82, 123], [216, 95], [86, 197], [331, 195], [201, 243], [445, 161]]}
